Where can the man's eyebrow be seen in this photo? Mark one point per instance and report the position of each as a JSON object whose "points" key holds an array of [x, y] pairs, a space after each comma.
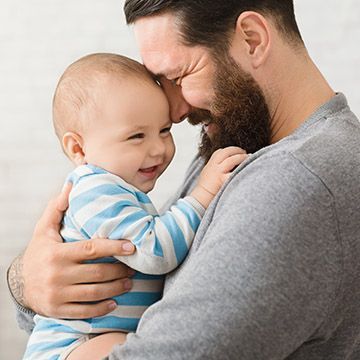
{"points": [[159, 75]]}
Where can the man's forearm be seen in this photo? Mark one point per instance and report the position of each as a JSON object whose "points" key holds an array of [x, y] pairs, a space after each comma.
{"points": [[16, 280]]}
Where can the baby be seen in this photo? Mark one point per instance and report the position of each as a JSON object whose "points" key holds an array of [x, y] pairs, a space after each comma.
{"points": [[113, 122]]}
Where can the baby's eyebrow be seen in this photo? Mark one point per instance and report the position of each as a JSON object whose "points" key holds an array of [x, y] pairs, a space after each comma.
{"points": [[131, 130], [135, 128]]}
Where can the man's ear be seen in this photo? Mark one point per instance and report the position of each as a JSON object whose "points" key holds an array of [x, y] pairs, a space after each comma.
{"points": [[73, 147], [252, 39]]}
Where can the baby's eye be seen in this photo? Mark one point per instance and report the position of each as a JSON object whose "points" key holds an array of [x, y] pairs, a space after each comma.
{"points": [[165, 130], [136, 136]]}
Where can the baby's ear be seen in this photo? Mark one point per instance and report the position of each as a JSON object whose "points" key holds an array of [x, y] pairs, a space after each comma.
{"points": [[73, 146]]}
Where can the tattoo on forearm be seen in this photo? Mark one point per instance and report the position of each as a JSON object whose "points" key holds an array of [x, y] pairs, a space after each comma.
{"points": [[16, 280]]}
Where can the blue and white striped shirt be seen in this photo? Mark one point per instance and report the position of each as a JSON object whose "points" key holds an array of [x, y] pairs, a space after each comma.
{"points": [[102, 205]]}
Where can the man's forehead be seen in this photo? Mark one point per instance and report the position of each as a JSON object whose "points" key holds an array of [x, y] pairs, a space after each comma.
{"points": [[156, 33], [159, 44], [161, 66]]}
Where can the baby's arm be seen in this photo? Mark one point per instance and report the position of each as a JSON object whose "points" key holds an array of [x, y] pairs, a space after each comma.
{"points": [[98, 347], [162, 242]]}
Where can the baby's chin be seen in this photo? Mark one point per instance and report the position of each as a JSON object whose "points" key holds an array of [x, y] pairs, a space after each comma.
{"points": [[146, 189]]}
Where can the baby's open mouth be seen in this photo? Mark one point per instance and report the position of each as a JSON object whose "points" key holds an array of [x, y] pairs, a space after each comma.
{"points": [[149, 169], [149, 172]]}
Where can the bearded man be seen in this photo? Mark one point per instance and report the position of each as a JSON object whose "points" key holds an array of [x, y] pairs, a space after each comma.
{"points": [[273, 272]]}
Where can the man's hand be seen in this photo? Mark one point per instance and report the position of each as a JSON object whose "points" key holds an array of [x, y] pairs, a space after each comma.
{"points": [[52, 279]]}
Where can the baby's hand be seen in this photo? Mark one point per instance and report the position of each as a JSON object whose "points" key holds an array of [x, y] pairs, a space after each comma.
{"points": [[216, 172], [219, 167]]}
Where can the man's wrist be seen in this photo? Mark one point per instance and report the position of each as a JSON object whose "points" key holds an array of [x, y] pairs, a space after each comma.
{"points": [[16, 281]]}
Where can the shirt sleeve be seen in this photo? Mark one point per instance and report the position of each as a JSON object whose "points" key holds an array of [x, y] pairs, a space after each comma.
{"points": [[100, 207], [260, 281]]}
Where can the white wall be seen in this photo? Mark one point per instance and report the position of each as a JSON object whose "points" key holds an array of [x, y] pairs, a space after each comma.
{"points": [[39, 39]]}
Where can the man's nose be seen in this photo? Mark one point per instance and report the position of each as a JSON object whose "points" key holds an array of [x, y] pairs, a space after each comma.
{"points": [[179, 107]]}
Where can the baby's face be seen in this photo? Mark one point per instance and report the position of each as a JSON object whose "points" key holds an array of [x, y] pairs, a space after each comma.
{"points": [[129, 135]]}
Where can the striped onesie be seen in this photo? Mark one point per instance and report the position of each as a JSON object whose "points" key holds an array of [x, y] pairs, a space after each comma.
{"points": [[102, 205]]}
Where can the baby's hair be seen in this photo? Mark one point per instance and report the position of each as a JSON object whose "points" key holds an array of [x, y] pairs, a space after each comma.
{"points": [[74, 94]]}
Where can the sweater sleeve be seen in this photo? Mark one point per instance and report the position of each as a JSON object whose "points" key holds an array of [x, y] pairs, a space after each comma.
{"points": [[101, 207], [24, 316]]}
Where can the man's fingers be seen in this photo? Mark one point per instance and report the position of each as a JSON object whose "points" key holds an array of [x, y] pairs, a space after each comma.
{"points": [[99, 291], [84, 311], [98, 273], [63, 198], [50, 220], [229, 163], [81, 251]]}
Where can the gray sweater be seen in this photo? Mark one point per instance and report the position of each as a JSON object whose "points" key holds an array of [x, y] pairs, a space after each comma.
{"points": [[274, 270]]}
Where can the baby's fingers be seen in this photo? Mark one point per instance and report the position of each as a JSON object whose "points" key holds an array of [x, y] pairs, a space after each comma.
{"points": [[221, 154], [232, 161]]}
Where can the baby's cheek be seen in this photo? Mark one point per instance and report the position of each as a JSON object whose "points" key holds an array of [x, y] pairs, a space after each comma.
{"points": [[170, 148]]}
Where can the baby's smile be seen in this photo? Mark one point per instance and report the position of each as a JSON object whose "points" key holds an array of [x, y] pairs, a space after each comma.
{"points": [[150, 172]]}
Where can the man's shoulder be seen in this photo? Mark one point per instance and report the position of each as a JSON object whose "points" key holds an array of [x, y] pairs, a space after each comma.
{"points": [[273, 181], [322, 153]]}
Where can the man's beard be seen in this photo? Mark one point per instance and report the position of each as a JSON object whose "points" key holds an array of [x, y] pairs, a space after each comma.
{"points": [[239, 111]]}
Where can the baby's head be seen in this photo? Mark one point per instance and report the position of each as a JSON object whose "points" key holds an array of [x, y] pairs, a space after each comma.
{"points": [[108, 111]]}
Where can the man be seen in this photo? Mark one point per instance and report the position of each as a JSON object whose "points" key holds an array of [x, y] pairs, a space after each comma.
{"points": [[273, 272]]}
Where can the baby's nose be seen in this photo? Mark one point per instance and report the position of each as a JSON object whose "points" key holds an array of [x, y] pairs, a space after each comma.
{"points": [[157, 148]]}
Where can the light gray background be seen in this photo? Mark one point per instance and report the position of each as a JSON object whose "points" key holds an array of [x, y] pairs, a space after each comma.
{"points": [[39, 39]]}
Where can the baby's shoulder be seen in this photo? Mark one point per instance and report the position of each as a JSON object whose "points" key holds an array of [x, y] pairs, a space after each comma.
{"points": [[92, 178]]}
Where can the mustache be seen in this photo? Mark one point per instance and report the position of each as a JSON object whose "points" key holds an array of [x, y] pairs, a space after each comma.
{"points": [[200, 116]]}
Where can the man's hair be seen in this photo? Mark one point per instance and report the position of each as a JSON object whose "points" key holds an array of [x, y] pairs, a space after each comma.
{"points": [[210, 22], [75, 93]]}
